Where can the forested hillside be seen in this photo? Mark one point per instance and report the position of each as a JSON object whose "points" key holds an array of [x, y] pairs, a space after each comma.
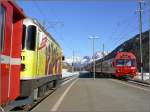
{"points": [[133, 45]]}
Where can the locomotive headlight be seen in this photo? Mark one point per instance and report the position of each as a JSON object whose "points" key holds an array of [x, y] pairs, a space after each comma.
{"points": [[133, 69]]}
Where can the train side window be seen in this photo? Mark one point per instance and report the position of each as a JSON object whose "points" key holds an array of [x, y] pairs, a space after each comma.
{"points": [[2, 21], [23, 36], [46, 51], [63, 58], [49, 48], [38, 37], [31, 38], [56, 52], [52, 51]]}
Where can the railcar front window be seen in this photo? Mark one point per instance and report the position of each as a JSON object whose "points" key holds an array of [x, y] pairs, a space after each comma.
{"points": [[125, 63], [2, 21], [31, 38], [120, 62], [23, 36], [130, 63]]}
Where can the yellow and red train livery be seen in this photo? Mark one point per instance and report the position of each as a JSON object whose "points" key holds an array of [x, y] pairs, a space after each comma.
{"points": [[30, 58], [40, 57]]}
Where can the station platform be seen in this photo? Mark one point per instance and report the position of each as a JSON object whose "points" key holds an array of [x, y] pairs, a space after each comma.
{"points": [[100, 95]]}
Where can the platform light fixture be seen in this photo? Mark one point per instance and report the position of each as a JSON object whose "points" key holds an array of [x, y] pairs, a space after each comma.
{"points": [[93, 38]]}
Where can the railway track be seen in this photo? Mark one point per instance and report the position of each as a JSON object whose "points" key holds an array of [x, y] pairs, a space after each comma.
{"points": [[139, 82], [135, 81], [48, 93]]}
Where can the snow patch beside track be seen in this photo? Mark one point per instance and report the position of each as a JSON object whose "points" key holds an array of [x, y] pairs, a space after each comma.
{"points": [[146, 76], [66, 74]]}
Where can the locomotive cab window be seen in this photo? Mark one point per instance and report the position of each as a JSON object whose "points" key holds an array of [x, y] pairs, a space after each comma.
{"points": [[31, 38], [23, 36], [2, 22]]}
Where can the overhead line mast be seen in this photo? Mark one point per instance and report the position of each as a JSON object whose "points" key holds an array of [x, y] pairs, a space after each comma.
{"points": [[149, 35], [140, 31], [103, 50], [73, 62]]}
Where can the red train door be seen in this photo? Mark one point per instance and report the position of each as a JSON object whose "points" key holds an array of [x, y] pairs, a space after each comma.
{"points": [[10, 50], [5, 42]]}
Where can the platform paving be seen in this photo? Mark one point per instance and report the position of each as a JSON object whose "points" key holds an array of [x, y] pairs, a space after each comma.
{"points": [[100, 95]]}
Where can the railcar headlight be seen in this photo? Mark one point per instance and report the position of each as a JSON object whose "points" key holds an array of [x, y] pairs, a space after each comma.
{"points": [[118, 70]]}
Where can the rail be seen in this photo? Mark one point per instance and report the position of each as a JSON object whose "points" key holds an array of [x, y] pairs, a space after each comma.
{"points": [[139, 82]]}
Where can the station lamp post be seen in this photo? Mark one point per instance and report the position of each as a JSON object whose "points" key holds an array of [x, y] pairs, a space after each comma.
{"points": [[93, 38]]}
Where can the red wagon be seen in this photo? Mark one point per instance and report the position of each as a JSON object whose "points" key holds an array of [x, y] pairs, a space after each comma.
{"points": [[10, 46]]}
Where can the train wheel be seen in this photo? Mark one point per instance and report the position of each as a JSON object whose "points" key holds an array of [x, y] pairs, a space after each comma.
{"points": [[40, 91], [54, 83], [127, 77]]}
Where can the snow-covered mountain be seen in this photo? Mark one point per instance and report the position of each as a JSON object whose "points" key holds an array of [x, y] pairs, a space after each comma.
{"points": [[85, 59], [70, 60], [99, 55], [78, 61]]}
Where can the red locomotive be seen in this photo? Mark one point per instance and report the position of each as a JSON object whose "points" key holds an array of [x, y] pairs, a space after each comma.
{"points": [[123, 64]]}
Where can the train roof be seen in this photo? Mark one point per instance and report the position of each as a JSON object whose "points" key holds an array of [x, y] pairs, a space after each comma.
{"points": [[31, 20], [125, 55], [19, 14], [116, 55]]}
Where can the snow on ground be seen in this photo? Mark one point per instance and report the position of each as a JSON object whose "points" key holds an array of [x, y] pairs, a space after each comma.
{"points": [[145, 76], [65, 73]]}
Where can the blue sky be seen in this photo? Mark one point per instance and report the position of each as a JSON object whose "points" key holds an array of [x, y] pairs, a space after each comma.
{"points": [[71, 23]]}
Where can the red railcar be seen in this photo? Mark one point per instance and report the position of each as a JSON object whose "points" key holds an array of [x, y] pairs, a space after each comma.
{"points": [[11, 21], [123, 64]]}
